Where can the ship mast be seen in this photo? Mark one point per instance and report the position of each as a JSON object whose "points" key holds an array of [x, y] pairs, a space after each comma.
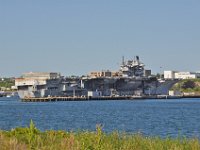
{"points": [[123, 63]]}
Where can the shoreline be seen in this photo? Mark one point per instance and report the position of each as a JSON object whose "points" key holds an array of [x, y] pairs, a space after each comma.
{"points": [[32, 138]]}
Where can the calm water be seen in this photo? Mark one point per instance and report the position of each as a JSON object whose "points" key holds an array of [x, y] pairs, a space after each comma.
{"points": [[150, 117]]}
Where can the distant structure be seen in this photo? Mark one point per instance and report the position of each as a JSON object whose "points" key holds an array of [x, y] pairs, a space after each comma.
{"points": [[41, 75], [103, 73], [128, 69], [38, 84], [132, 68], [181, 75], [131, 79]]}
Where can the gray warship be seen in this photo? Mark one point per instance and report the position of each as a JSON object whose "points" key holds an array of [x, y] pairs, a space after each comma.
{"points": [[131, 79]]}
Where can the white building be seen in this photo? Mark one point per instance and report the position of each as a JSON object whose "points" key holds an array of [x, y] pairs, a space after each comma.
{"points": [[169, 74], [185, 75], [181, 75], [175, 93], [94, 93]]}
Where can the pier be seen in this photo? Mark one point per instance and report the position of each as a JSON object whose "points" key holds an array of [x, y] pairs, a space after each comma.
{"points": [[55, 99]]}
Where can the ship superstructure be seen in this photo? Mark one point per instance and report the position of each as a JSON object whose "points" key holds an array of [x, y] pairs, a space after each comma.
{"points": [[126, 81], [132, 68]]}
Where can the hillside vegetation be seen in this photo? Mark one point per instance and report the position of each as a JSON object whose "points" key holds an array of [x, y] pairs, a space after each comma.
{"points": [[6, 83], [188, 86]]}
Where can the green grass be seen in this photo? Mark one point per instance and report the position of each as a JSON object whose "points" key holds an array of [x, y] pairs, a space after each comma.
{"points": [[31, 138]]}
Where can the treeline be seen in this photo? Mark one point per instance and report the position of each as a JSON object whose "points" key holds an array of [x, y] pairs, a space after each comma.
{"points": [[6, 83]]}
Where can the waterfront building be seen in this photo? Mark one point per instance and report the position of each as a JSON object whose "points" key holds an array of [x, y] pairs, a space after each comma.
{"points": [[102, 73], [186, 75], [169, 74], [181, 75], [39, 84]]}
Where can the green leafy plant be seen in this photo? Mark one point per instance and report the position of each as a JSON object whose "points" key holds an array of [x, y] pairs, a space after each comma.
{"points": [[31, 138]]}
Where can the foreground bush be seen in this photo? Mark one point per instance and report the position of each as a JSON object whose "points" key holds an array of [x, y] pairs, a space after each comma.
{"points": [[32, 138]]}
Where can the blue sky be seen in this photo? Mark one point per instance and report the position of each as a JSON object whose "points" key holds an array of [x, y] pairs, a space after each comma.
{"points": [[74, 37]]}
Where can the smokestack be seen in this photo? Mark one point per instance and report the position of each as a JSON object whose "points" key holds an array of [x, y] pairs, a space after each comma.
{"points": [[137, 58]]}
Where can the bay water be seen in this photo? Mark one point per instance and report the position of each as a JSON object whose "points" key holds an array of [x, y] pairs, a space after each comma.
{"points": [[177, 117]]}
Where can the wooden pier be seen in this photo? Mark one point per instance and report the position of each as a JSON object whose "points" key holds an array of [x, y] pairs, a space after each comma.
{"points": [[54, 99]]}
